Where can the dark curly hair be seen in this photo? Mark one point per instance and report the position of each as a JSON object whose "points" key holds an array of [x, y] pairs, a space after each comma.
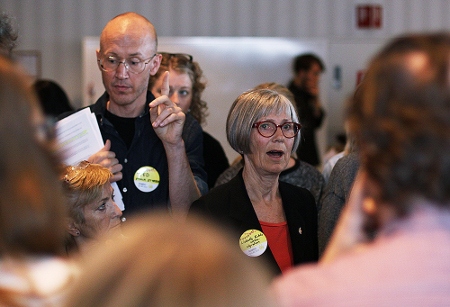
{"points": [[400, 116], [184, 64]]}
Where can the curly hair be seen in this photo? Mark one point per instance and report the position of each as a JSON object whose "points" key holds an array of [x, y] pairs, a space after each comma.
{"points": [[400, 117], [183, 64]]}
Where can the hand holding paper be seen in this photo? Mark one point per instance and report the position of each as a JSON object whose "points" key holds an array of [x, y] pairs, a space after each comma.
{"points": [[79, 138], [108, 159]]}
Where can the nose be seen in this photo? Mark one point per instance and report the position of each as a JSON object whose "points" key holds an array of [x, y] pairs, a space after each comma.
{"points": [[122, 70], [117, 213], [174, 98], [279, 134]]}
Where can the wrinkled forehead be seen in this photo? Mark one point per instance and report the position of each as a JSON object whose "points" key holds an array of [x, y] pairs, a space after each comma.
{"points": [[129, 37], [280, 107]]}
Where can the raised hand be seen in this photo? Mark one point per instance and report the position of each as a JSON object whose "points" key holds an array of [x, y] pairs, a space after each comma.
{"points": [[166, 117]]}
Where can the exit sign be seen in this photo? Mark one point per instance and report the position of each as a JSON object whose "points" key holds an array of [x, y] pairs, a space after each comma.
{"points": [[369, 16]]}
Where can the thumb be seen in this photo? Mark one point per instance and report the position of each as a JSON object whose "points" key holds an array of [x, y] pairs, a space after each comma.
{"points": [[107, 146]]}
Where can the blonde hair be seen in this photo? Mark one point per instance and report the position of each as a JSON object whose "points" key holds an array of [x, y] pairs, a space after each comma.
{"points": [[163, 263], [83, 184]]}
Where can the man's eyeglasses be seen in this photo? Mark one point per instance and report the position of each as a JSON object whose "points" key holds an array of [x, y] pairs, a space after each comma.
{"points": [[268, 129], [167, 56], [133, 65]]}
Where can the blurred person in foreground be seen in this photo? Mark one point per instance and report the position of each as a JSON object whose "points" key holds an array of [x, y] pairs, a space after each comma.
{"points": [[186, 85], [163, 263], [33, 267], [275, 222], [91, 206], [337, 190], [392, 242]]}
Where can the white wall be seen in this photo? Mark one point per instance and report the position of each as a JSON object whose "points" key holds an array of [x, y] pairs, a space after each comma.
{"points": [[231, 66], [57, 27]]}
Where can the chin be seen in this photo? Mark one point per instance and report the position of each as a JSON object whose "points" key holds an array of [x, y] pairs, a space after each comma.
{"points": [[276, 170]]}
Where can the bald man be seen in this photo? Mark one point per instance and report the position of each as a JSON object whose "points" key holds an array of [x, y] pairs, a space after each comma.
{"points": [[153, 149]]}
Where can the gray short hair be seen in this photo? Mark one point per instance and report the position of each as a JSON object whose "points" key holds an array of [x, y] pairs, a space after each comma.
{"points": [[251, 106]]}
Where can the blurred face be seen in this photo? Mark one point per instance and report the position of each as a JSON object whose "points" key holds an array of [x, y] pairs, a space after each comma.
{"points": [[309, 79], [270, 155], [101, 216], [180, 89], [132, 44]]}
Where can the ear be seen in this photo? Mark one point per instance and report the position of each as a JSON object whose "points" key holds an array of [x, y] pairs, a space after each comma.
{"points": [[73, 229], [97, 53], [155, 62]]}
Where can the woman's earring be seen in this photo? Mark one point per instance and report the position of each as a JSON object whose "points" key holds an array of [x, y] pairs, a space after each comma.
{"points": [[77, 233]]}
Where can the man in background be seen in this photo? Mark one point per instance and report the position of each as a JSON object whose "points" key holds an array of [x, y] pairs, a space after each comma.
{"points": [[307, 70]]}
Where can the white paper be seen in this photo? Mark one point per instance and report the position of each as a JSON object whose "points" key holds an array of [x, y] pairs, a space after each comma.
{"points": [[78, 137]]}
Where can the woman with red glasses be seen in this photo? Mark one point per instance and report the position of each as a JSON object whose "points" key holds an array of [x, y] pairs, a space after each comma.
{"points": [[274, 222]]}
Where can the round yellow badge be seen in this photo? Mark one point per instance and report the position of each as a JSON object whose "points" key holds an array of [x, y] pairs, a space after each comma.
{"points": [[253, 243], [146, 179]]}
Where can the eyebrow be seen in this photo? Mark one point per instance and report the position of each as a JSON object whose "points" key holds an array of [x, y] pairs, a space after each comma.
{"points": [[136, 54], [130, 55], [284, 120], [107, 197], [182, 87], [103, 199]]}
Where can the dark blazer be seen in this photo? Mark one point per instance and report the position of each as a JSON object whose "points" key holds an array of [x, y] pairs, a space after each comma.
{"points": [[216, 161], [230, 205]]}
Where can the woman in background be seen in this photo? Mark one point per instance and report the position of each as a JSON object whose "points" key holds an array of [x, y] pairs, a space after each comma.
{"points": [[186, 87], [33, 269]]}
